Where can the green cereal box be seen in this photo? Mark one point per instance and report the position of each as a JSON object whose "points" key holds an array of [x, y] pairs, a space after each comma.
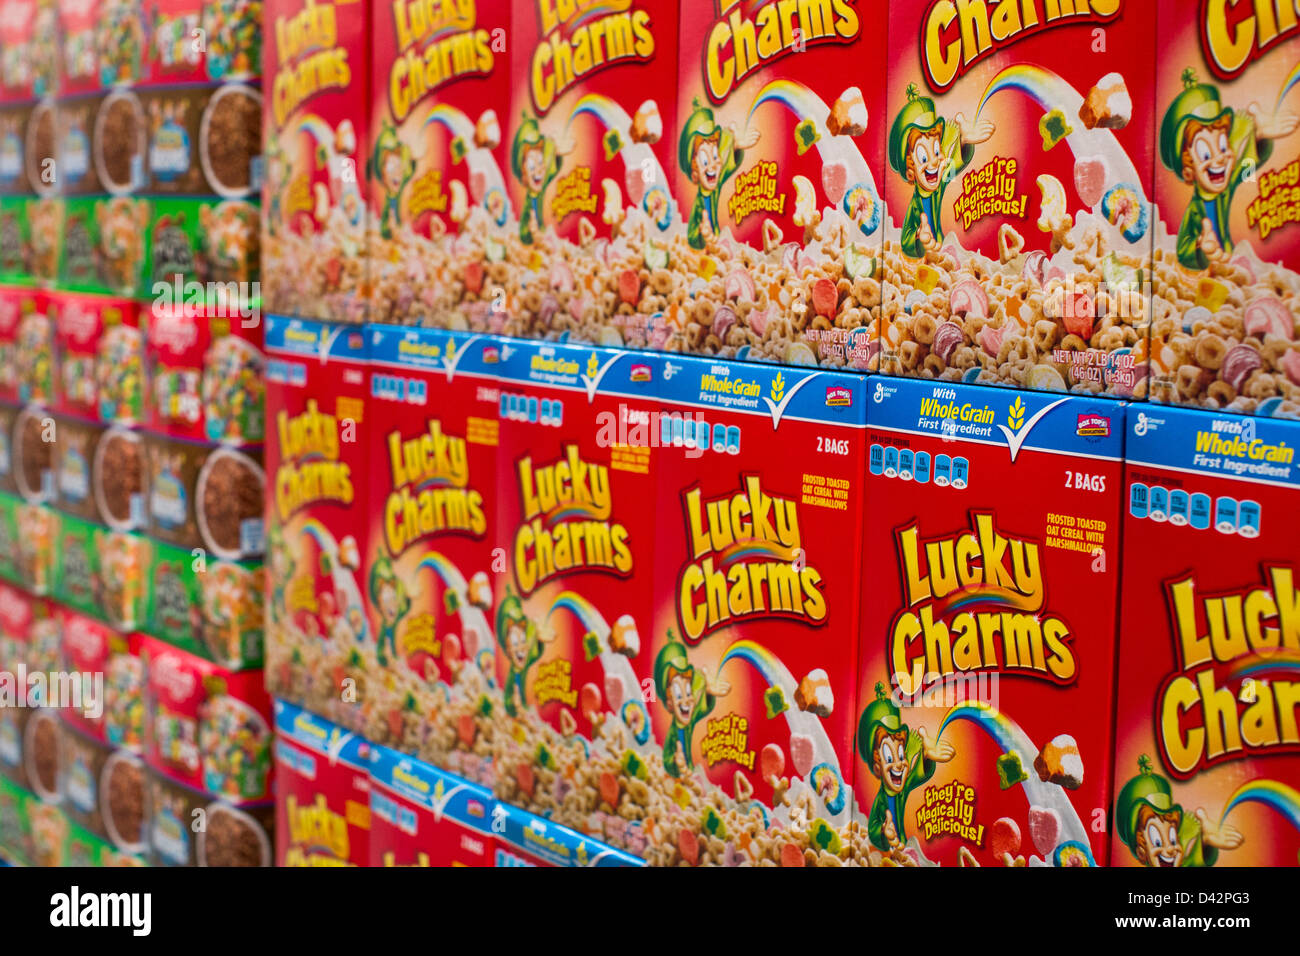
{"points": [[207, 606], [100, 572], [27, 533], [206, 240], [31, 236], [1226, 326], [15, 824]]}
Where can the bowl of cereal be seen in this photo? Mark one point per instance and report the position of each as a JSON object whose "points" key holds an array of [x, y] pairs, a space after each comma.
{"points": [[230, 139], [121, 136], [229, 504], [122, 801], [119, 479], [232, 838]]}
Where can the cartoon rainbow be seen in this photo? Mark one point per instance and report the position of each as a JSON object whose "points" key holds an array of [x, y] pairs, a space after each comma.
{"points": [[603, 109], [973, 595], [753, 548], [1271, 793], [582, 609], [798, 98], [446, 571], [598, 10], [998, 725], [455, 122], [1254, 664], [318, 129], [1288, 84], [321, 535], [566, 512], [761, 659]]}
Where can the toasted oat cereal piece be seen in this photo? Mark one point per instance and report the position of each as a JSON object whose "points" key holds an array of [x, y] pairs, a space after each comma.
{"points": [[612, 208], [814, 693], [647, 124], [1107, 104], [772, 235], [848, 114], [805, 202], [965, 857], [459, 201], [623, 638], [1060, 763], [1010, 243]]}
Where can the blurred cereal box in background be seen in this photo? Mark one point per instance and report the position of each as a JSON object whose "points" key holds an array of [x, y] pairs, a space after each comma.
{"points": [[29, 49], [79, 50], [778, 168], [1226, 327], [1020, 143], [440, 215], [313, 190], [599, 245], [318, 649]]}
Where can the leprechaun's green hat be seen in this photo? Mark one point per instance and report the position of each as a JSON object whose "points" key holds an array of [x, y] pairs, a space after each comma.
{"points": [[882, 713], [1197, 101], [511, 611], [529, 134], [919, 113], [671, 660], [382, 572], [388, 142], [1146, 789], [700, 125]]}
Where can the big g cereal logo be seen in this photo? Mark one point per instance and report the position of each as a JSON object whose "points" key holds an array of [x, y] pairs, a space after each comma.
{"points": [[1236, 692], [975, 602], [437, 42], [957, 34], [567, 506], [311, 470], [431, 493], [747, 560], [311, 61], [580, 37], [750, 35], [1236, 34]]}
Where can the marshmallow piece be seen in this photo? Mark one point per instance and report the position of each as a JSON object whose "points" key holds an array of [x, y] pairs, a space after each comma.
{"points": [[848, 114], [802, 752], [459, 201], [624, 639], [615, 691], [1044, 829], [321, 194], [835, 180], [487, 131], [1107, 104], [349, 553], [1060, 763], [612, 210], [647, 124], [814, 693], [345, 138], [480, 590], [805, 202]]}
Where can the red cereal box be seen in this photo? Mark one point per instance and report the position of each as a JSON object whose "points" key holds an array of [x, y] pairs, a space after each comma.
{"points": [[986, 674], [756, 614], [77, 330], [322, 792], [778, 172], [576, 483], [11, 314], [525, 839], [87, 647], [79, 61], [120, 382], [177, 47], [28, 49], [206, 727], [27, 346], [440, 216], [1207, 755], [206, 374], [1019, 186], [122, 40], [314, 128], [1227, 249], [423, 816], [316, 462], [432, 515], [595, 90]]}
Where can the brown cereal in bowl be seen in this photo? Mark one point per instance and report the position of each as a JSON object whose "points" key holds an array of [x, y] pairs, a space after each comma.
{"points": [[120, 137], [33, 455], [229, 504], [41, 145], [122, 801], [119, 479], [230, 138], [41, 754], [234, 837]]}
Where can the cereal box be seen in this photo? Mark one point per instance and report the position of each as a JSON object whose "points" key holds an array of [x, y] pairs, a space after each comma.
{"points": [[29, 646], [598, 235], [27, 536], [206, 606], [119, 139], [176, 46], [87, 645], [525, 839], [77, 328], [317, 633], [228, 835], [313, 121], [440, 215], [205, 498], [119, 379], [1019, 186], [232, 30], [100, 572], [79, 61], [576, 524], [15, 824], [423, 816], [777, 168], [432, 515], [27, 341], [1227, 267], [207, 240], [29, 49], [206, 727], [73, 453], [8, 484], [117, 479], [986, 675], [1207, 755], [205, 369], [322, 793], [756, 615], [14, 126], [122, 39], [33, 449], [81, 761], [205, 139]]}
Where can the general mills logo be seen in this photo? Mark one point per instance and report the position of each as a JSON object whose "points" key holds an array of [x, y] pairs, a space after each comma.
{"points": [[1146, 423], [879, 395]]}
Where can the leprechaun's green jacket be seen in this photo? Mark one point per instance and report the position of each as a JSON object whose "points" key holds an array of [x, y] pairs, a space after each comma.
{"points": [[684, 734], [931, 206], [515, 679], [896, 804], [533, 204], [390, 218], [1218, 209], [706, 203]]}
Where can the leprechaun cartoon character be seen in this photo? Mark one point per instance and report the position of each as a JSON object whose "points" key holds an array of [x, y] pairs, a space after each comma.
{"points": [[389, 596], [392, 167], [1214, 149], [929, 152], [689, 695], [710, 155], [1159, 833], [536, 161], [522, 641], [901, 759]]}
